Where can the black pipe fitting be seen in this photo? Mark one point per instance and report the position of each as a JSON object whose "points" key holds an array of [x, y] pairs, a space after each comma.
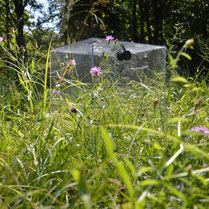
{"points": [[123, 54]]}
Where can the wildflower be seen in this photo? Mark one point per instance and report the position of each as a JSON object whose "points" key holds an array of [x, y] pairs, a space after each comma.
{"points": [[189, 43], [95, 71], [72, 62], [109, 38], [56, 92], [1, 39], [23, 48], [155, 101], [73, 109], [201, 129], [12, 29]]}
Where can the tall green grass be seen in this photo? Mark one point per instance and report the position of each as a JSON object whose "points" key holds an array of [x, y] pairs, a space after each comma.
{"points": [[118, 150]]}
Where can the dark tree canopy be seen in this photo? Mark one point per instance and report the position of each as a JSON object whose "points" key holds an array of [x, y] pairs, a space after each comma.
{"points": [[163, 22], [148, 21]]}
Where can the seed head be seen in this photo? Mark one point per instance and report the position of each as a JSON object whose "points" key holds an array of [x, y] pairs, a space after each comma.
{"points": [[73, 109], [189, 43], [155, 101]]}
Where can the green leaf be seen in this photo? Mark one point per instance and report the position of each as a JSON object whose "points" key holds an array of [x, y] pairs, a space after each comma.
{"points": [[179, 79], [190, 147], [172, 61], [15, 117], [32, 66], [124, 175], [78, 175], [108, 142], [186, 55], [177, 193], [150, 182], [190, 132], [130, 166], [21, 80], [143, 170], [127, 205], [46, 76], [157, 146], [174, 120]]}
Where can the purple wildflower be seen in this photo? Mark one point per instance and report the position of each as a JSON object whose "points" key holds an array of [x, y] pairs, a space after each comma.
{"points": [[56, 92], [1, 39], [96, 71], [72, 62], [23, 48], [109, 38], [201, 129], [73, 109]]}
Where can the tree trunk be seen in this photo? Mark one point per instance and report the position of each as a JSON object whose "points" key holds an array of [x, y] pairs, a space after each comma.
{"points": [[156, 20], [134, 21], [149, 32], [157, 24], [7, 25], [142, 15], [19, 10]]}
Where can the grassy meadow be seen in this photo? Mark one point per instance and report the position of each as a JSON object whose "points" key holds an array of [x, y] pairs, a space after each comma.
{"points": [[111, 146]]}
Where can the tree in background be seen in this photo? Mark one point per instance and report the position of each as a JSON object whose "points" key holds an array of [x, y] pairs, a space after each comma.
{"points": [[15, 16], [164, 22], [147, 21], [78, 19]]}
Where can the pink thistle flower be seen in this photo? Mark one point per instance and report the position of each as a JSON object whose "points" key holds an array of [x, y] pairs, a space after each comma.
{"points": [[1, 39], [56, 92], [109, 38], [96, 71], [72, 62], [201, 129]]}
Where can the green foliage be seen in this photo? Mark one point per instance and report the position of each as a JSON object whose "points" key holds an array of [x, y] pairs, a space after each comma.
{"points": [[118, 150]]}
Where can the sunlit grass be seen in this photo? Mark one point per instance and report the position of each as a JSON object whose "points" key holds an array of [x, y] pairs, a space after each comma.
{"points": [[119, 149]]}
